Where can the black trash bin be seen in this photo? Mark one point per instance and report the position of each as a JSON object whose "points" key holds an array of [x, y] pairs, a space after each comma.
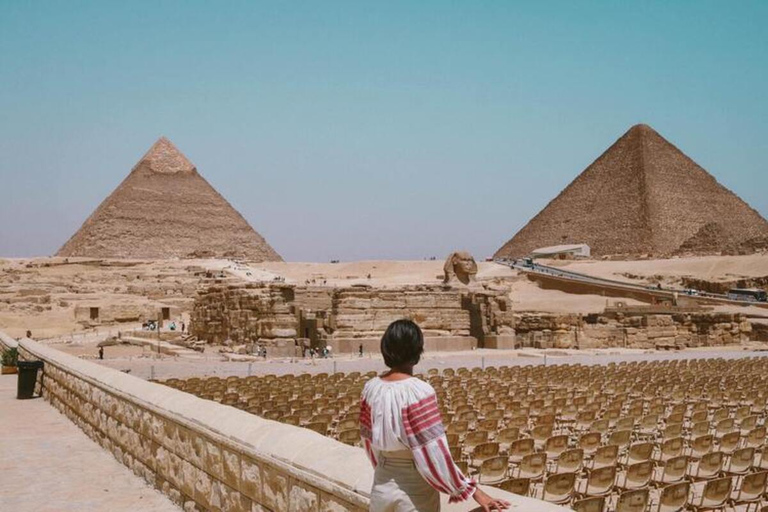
{"points": [[27, 378]]}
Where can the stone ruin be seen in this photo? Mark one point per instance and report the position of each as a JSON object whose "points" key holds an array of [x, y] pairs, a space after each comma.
{"points": [[284, 318]]}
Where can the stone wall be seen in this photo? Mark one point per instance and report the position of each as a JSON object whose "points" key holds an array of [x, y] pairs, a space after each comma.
{"points": [[203, 455], [673, 330], [279, 315], [206, 456], [245, 313]]}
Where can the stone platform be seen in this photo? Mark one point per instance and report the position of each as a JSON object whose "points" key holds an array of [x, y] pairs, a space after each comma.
{"points": [[48, 464]]}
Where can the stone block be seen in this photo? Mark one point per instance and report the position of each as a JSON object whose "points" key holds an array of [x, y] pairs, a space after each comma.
{"points": [[251, 479], [302, 497], [275, 489]]}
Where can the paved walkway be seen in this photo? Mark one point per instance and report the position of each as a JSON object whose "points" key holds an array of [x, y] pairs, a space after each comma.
{"points": [[48, 464]]}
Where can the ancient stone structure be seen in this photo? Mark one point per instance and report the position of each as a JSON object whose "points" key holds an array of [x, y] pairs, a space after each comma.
{"points": [[632, 328], [278, 315], [643, 196], [460, 266], [166, 209]]}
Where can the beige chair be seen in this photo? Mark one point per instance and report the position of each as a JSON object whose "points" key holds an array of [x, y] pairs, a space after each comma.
{"points": [[570, 461], [493, 471], [521, 486], [483, 452], [674, 471], [533, 466], [555, 445], [475, 438], [639, 452], [559, 488], [670, 449], [636, 476], [604, 456], [700, 428], [755, 438], [506, 436], [701, 446], [621, 438], [674, 498], [600, 482], [714, 496], [730, 442], [708, 467], [633, 501], [590, 442], [740, 461], [751, 490], [595, 504], [519, 449], [350, 436], [320, 427]]}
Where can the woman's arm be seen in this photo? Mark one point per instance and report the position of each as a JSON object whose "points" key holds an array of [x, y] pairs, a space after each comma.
{"points": [[425, 435]]}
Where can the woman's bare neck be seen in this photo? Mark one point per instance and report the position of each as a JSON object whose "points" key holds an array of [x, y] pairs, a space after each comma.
{"points": [[396, 374]]}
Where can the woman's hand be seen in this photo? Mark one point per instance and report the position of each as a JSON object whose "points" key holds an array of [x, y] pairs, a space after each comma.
{"points": [[489, 504]]}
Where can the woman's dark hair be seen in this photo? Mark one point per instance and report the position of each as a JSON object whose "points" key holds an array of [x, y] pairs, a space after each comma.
{"points": [[402, 344]]}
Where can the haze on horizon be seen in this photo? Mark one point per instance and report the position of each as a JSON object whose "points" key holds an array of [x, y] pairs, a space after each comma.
{"points": [[352, 130]]}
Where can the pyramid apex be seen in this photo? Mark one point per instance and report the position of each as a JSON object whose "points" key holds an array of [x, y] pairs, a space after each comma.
{"points": [[641, 128], [164, 157]]}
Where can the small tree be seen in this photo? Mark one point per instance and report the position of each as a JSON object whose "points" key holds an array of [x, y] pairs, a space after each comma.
{"points": [[10, 357]]}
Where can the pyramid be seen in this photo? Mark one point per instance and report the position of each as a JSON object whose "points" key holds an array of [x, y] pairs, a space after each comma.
{"points": [[165, 209], [643, 196]]}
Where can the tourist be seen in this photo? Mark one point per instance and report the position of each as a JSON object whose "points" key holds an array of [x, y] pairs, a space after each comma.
{"points": [[361, 350], [101, 352], [404, 437]]}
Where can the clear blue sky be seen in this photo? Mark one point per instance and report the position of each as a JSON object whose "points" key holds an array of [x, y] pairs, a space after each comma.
{"points": [[361, 130]]}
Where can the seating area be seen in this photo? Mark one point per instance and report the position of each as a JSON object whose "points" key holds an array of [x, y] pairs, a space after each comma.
{"points": [[630, 437]]}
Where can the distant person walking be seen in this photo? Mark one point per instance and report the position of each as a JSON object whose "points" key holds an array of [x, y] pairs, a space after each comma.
{"points": [[404, 437], [101, 352], [361, 350]]}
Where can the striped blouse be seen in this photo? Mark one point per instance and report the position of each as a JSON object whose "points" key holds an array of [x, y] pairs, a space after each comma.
{"points": [[403, 415]]}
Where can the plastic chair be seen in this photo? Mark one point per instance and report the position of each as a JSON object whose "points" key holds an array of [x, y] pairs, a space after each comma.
{"points": [[570, 461], [519, 486], [590, 442], [714, 496], [751, 490], [559, 488], [493, 470], [740, 462], [604, 456], [595, 504], [519, 449], [637, 476], [674, 471], [633, 501], [555, 445], [533, 466], [708, 467], [600, 482], [701, 446], [670, 449], [674, 498]]}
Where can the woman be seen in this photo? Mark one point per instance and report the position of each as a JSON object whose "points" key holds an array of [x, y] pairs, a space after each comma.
{"points": [[404, 437]]}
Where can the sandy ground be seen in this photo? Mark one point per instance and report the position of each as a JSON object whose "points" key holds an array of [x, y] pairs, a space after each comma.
{"points": [[163, 367], [40, 475]]}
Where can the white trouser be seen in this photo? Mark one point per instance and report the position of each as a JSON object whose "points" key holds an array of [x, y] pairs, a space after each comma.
{"points": [[398, 486]]}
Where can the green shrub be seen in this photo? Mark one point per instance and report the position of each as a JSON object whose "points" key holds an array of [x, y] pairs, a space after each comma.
{"points": [[10, 357]]}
